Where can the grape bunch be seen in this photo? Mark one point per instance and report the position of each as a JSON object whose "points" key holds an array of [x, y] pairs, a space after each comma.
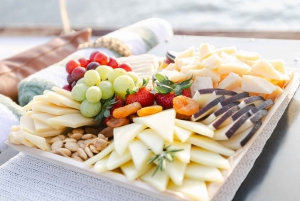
{"points": [[77, 68], [101, 83]]}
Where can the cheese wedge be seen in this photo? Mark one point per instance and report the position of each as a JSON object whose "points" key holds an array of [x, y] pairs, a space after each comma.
{"points": [[186, 53], [152, 140], [209, 158], [176, 170], [27, 124], [44, 117], [41, 127], [158, 180], [184, 155], [140, 153], [100, 166], [205, 49], [209, 144], [265, 68], [71, 120], [124, 135], [100, 155], [182, 133], [212, 62], [205, 72], [204, 173], [194, 189], [196, 127], [115, 160], [38, 141], [162, 123], [257, 85], [132, 173], [53, 109], [230, 82]]}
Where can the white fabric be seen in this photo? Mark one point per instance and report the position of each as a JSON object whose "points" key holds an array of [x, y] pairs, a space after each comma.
{"points": [[8, 119], [28, 178]]}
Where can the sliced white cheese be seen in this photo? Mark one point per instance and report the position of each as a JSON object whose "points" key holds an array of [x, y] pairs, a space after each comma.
{"points": [[204, 173], [176, 170], [253, 56], [201, 83], [44, 117], [232, 64], [63, 100], [196, 127], [152, 140], [257, 85], [205, 72], [265, 68], [186, 53], [184, 155], [194, 189], [38, 141], [53, 109], [212, 62], [182, 133], [100, 166], [140, 153], [231, 81], [278, 65], [124, 135], [27, 124], [41, 127], [132, 173], [227, 50], [115, 160], [100, 155], [205, 49], [159, 180], [162, 123], [63, 92], [72, 120], [50, 133], [208, 158], [210, 144]]}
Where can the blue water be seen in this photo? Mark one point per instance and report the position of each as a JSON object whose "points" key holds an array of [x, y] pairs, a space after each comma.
{"points": [[283, 15]]}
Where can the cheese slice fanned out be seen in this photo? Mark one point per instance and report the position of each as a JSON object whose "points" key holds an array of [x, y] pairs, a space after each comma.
{"points": [[100, 166], [152, 140], [176, 170], [162, 123], [159, 180], [140, 153], [63, 100], [265, 68], [53, 109], [230, 82], [63, 92], [72, 120], [196, 127], [203, 173], [184, 155], [182, 133], [115, 160], [44, 117], [124, 135], [232, 64], [38, 141], [132, 173]]}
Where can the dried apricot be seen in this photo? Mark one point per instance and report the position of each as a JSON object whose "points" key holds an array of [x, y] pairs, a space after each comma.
{"points": [[182, 116], [185, 105], [145, 111], [127, 110], [117, 122]]}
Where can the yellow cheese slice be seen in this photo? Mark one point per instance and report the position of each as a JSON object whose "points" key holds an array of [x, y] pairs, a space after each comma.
{"points": [[203, 172], [176, 170], [63, 92], [194, 189], [50, 133], [71, 120], [38, 141], [44, 117], [64, 101], [265, 68], [131, 172], [231, 81], [41, 127], [182, 134], [257, 84], [152, 140], [100, 155], [159, 180], [162, 123], [209, 144], [100, 166], [208, 158], [27, 124], [115, 160], [196, 127], [124, 135], [140, 153], [53, 109], [184, 155]]}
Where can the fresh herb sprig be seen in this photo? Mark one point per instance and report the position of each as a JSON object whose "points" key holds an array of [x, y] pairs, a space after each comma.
{"points": [[166, 155]]}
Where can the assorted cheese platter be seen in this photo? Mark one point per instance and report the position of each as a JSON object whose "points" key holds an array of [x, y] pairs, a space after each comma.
{"points": [[179, 136]]}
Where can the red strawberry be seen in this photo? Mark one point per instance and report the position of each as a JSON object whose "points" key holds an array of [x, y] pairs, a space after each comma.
{"points": [[166, 90], [186, 92], [142, 95], [165, 100]]}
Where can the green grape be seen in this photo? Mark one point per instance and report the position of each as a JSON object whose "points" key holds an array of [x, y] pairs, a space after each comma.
{"points": [[93, 94], [92, 77], [79, 91], [135, 77], [81, 80], [103, 71], [107, 89], [89, 109], [122, 83], [121, 95], [112, 75]]}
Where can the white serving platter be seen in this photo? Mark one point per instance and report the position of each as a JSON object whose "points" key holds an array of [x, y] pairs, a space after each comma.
{"points": [[142, 187]]}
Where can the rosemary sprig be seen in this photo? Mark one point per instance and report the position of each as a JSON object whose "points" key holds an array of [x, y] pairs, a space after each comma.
{"points": [[166, 155]]}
